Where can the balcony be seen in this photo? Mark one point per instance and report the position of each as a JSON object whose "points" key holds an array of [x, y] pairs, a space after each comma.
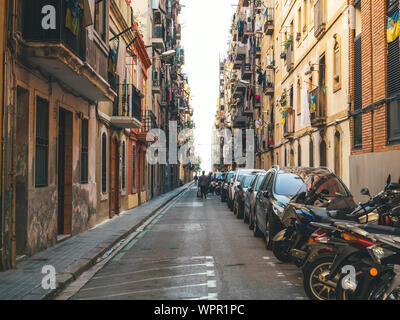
{"points": [[127, 108], [247, 32], [71, 57], [269, 21], [247, 71], [240, 55], [158, 36], [239, 121], [239, 90], [156, 88], [149, 121], [268, 83], [257, 99], [288, 128], [317, 107], [319, 18]]}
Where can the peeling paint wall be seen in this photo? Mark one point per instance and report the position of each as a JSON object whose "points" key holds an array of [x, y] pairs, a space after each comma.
{"points": [[42, 212]]}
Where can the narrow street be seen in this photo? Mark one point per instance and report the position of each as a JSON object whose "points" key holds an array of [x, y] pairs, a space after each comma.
{"points": [[198, 250]]}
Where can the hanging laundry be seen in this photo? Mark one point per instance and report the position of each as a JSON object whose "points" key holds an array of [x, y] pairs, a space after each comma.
{"points": [[72, 16], [112, 61], [393, 27], [284, 116], [305, 111], [313, 104]]}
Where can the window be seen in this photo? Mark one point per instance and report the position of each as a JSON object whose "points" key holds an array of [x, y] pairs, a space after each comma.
{"points": [[42, 142], [322, 154], [305, 15], [123, 166], [299, 155], [133, 169], [394, 121], [100, 16], [357, 121], [336, 64], [84, 151], [311, 153], [299, 25], [104, 163], [287, 184]]}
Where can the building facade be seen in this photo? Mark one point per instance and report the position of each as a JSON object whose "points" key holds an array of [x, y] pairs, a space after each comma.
{"points": [[374, 91], [79, 99]]}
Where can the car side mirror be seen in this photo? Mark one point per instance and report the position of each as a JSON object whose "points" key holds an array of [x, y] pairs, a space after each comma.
{"points": [[240, 187], [365, 192], [266, 194], [250, 189]]}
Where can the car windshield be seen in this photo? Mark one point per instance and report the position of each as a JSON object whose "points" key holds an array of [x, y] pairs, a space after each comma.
{"points": [[247, 181], [242, 174], [287, 184], [328, 184], [259, 181], [229, 176]]}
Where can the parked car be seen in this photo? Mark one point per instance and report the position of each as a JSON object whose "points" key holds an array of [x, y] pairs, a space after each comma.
{"points": [[240, 195], [225, 185], [250, 199], [235, 181], [321, 196], [276, 190]]}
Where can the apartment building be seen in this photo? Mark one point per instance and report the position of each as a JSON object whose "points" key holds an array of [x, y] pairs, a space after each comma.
{"points": [[374, 92]]}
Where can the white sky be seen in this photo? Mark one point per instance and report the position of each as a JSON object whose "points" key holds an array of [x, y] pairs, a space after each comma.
{"points": [[205, 36]]}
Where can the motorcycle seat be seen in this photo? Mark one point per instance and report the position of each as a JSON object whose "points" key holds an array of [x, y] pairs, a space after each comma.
{"points": [[381, 229]]}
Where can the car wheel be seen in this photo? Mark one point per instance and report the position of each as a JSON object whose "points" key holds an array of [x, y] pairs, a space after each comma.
{"points": [[280, 249], [256, 230], [268, 240], [245, 216], [251, 223]]}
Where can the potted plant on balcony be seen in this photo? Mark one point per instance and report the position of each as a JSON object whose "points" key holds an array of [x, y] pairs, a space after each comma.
{"points": [[288, 42]]}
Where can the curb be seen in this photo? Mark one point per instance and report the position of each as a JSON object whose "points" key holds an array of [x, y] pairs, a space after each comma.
{"points": [[84, 264]]}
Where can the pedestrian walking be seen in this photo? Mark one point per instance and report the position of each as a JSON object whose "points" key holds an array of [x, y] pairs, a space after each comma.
{"points": [[196, 178], [203, 184]]}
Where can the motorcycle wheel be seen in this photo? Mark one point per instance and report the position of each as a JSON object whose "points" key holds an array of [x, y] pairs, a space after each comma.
{"points": [[280, 249], [313, 286]]}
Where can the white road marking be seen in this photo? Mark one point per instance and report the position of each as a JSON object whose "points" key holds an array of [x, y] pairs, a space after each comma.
{"points": [[212, 284], [144, 291], [210, 273], [145, 280], [155, 269]]}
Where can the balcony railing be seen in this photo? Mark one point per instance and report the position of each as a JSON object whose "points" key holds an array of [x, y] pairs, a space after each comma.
{"points": [[319, 18], [158, 31], [127, 105], [149, 121], [268, 83], [318, 107], [288, 128], [32, 26], [269, 21]]}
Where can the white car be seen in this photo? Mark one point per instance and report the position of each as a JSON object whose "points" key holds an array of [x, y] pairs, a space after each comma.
{"points": [[235, 181]]}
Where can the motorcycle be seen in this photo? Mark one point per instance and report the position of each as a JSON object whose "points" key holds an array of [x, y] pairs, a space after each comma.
{"points": [[218, 187], [290, 243], [336, 245]]}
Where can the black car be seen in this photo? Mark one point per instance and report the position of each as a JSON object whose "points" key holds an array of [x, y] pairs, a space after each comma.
{"points": [[276, 190], [240, 195], [225, 185]]}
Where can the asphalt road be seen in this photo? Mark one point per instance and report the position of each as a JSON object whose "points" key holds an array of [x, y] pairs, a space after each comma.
{"points": [[198, 250]]}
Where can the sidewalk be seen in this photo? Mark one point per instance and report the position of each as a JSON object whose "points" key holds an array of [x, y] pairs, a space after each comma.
{"points": [[77, 254]]}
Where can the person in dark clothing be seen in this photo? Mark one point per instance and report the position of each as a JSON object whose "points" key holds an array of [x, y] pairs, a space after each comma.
{"points": [[203, 184], [196, 178]]}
